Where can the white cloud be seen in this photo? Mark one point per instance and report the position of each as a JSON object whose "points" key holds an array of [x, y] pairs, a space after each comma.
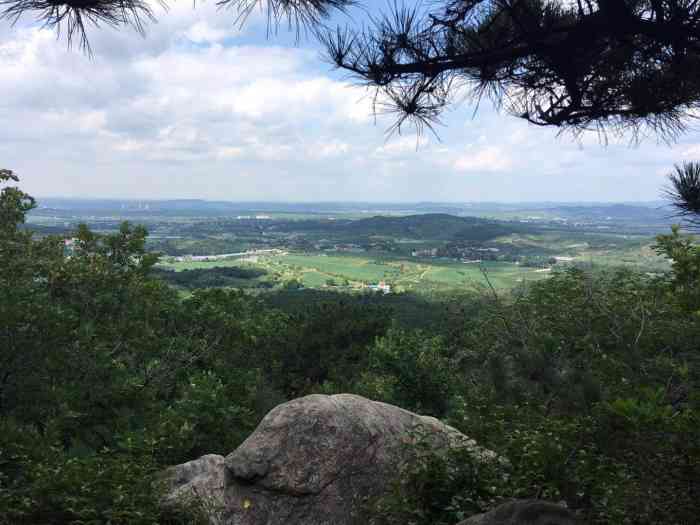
{"points": [[401, 145], [201, 108], [202, 32], [213, 102], [488, 159], [329, 149]]}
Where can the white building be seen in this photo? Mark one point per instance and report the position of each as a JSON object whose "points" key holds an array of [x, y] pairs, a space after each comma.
{"points": [[381, 287]]}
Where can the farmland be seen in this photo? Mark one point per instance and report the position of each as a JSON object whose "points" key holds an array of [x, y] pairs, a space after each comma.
{"points": [[356, 272], [346, 248]]}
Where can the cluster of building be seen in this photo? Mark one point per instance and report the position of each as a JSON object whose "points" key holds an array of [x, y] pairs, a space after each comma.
{"points": [[325, 245], [425, 253], [380, 287], [460, 252]]}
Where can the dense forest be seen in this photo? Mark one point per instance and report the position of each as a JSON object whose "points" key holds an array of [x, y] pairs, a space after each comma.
{"points": [[586, 382]]}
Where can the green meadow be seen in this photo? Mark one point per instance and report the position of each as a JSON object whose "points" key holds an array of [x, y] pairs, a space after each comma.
{"points": [[354, 272]]}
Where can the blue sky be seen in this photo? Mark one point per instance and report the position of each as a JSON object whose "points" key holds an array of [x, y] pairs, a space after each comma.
{"points": [[201, 108]]}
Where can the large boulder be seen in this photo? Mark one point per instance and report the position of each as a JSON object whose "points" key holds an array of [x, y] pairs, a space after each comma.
{"points": [[524, 512], [313, 461]]}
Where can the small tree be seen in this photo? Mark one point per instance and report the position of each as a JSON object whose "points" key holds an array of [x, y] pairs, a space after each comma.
{"points": [[14, 204], [683, 251]]}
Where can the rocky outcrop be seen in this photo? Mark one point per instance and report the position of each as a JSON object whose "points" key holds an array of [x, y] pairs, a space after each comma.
{"points": [[524, 512], [203, 479], [313, 461]]}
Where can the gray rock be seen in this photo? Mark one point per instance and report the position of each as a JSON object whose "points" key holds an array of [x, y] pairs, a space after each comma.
{"points": [[200, 482], [315, 461], [524, 512]]}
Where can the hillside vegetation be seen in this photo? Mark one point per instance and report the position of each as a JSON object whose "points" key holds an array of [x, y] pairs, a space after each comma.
{"points": [[436, 226], [586, 382]]}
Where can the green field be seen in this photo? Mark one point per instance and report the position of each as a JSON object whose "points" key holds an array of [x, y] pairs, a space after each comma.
{"points": [[404, 275], [355, 272], [313, 279], [501, 275], [350, 267]]}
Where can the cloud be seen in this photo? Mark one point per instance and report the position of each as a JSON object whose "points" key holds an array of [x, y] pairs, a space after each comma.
{"points": [[203, 33], [328, 149], [189, 104], [488, 159], [401, 145], [203, 108]]}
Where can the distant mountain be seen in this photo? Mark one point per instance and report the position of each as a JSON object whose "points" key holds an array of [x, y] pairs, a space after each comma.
{"points": [[435, 226], [446, 221], [185, 207], [112, 207]]}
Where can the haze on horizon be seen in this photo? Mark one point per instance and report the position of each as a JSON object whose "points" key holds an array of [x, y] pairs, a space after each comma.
{"points": [[201, 108], [53, 200]]}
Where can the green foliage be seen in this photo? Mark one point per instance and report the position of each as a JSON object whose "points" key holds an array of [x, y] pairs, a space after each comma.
{"points": [[433, 226], [100, 488], [42, 483], [293, 284], [14, 204], [586, 382], [411, 370], [684, 253], [439, 488], [324, 347], [227, 276], [105, 379]]}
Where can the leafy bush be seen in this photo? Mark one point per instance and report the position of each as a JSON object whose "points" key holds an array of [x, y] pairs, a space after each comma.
{"points": [[586, 383], [412, 370], [439, 488], [47, 485]]}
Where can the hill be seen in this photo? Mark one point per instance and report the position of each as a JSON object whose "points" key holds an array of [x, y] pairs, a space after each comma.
{"points": [[434, 226]]}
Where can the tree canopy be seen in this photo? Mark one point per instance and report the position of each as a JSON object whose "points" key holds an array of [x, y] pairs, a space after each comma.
{"points": [[607, 65], [587, 382]]}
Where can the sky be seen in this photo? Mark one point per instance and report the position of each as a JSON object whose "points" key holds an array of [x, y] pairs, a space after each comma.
{"points": [[204, 108]]}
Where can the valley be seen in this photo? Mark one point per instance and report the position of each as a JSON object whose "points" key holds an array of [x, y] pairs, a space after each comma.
{"points": [[425, 249]]}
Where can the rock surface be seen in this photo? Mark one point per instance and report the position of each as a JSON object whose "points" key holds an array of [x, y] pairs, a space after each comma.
{"points": [[524, 512], [203, 478], [313, 461]]}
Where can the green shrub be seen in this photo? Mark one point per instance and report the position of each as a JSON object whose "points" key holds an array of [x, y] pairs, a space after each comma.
{"points": [[439, 487]]}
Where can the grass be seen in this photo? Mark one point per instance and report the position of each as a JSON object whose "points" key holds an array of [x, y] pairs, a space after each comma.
{"points": [[435, 275], [313, 279], [352, 268], [450, 275], [404, 274], [426, 275]]}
